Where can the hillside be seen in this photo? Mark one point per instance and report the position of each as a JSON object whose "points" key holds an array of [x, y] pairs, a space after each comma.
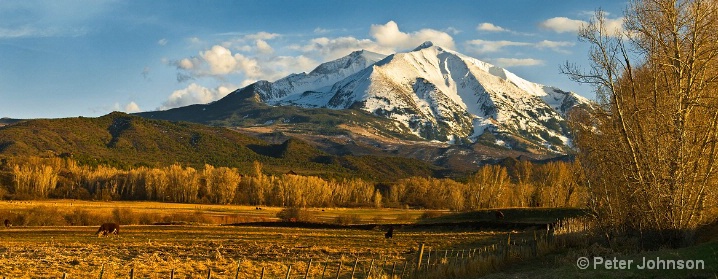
{"points": [[123, 140]]}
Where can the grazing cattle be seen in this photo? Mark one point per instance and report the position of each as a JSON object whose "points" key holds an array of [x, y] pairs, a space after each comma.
{"points": [[7, 223], [499, 214], [389, 233], [108, 228]]}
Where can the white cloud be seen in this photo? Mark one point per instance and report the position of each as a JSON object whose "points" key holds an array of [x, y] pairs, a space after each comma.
{"points": [[330, 49], [263, 47], [612, 26], [220, 63], [132, 107], [162, 42], [557, 46], [452, 30], [261, 36], [389, 35], [195, 94], [483, 46], [490, 27], [187, 63], [517, 62], [220, 60], [562, 24], [247, 58], [320, 30]]}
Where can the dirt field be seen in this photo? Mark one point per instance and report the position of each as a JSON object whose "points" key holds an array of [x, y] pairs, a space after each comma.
{"points": [[153, 251]]}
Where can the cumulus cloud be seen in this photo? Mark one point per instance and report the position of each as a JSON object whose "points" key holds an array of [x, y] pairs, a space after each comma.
{"points": [[329, 49], [220, 60], [194, 94], [484, 47], [263, 47], [557, 46], [389, 35], [613, 26], [221, 63], [490, 27], [250, 42], [132, 107], [517, 62], [452, 30], [562, 24], [162, 42], [244, 59], [261, 36]]}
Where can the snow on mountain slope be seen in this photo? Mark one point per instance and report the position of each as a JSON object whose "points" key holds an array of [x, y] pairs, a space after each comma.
{"points": [[439, 94], [290, 90]]}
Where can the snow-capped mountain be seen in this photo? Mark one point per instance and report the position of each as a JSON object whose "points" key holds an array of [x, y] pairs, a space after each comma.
{"points": [[308, 89], [438, 94]]}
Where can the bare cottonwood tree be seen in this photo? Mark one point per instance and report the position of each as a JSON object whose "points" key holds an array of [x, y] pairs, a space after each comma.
{"points": [[649, 148]]}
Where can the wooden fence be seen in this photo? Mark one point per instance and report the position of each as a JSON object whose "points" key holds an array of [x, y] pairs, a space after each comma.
{"points": [[427, 262]]}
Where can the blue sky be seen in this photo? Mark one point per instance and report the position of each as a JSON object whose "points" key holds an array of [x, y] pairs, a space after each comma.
{"points": [[87, 58]]}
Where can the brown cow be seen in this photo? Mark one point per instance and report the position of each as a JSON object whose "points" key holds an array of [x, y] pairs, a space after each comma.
{"points": [[108, 228], [7, 223]]}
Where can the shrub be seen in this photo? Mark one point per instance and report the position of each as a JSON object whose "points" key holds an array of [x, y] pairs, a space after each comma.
{"points": [[295, 214], [348, 219], [81, 217], [124, 216], [432, 214], [42, 216]]}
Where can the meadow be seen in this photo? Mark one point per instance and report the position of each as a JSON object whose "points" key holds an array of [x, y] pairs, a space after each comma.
{"points": [[201, 242]]}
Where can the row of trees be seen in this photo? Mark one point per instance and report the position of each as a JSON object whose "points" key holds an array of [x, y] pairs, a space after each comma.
{"points": [[649, 148], [546, 185]]}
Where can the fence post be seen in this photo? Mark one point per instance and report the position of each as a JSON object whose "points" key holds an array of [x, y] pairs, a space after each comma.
{"points": [[236, 275], [306, 274], [102, 270], [262, 275], [289, 271], [64, 275], [209, 273], [421, 255], [403, 269], [132, 273], [371, 265], [339, 269], [172, 274], [428, 259], [325, 269], [354, 268], [393, 267]]}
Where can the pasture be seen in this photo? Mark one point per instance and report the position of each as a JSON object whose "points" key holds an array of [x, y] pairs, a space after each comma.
{"points": [[47, 252], [193, 248]]}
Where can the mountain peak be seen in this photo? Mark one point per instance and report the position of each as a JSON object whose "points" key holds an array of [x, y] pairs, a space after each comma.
{"points": [[424, 45]]}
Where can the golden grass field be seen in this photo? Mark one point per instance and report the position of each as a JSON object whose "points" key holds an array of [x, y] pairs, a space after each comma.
{"points": [[190, 250]]}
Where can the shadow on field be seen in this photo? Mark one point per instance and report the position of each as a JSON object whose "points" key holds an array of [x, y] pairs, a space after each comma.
{"points": [[511, 219]]}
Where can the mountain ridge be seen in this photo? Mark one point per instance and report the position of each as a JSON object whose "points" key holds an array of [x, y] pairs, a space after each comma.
{"points": [[430, 93]]}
